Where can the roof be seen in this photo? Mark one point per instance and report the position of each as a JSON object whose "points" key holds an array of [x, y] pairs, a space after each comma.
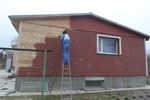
{"points": [[15, 18]]}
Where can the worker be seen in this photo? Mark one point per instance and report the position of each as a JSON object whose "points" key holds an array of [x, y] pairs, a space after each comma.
{"points": [[65, 39]]}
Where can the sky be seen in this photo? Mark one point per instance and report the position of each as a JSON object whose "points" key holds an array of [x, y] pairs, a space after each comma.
{"points": [[132, 13]]}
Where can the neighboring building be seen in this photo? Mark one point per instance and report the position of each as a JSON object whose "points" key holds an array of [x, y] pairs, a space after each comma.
{"points": [[4, 56], [103, 53]]}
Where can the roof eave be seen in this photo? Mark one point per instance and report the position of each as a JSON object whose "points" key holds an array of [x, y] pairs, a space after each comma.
{"points": [[47, 15], [15, 24]]}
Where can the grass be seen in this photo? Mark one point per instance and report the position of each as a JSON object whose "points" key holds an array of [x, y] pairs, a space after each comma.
{"points": [[121, 95], [89, 96], [148, 80]]}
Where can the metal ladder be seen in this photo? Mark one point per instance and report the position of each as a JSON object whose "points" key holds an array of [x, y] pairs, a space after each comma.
{"points": [[66, 83]]}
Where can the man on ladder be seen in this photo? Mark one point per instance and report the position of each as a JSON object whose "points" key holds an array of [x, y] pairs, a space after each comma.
{"points": [[65, 46], [66, 83]]}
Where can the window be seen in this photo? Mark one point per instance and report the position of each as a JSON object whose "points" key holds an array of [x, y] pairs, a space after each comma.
{"points": [[97, 83], [94, 82], [107, 44]]}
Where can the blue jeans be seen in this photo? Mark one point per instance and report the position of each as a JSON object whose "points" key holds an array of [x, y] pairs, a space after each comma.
{"points": [[65, 51]]}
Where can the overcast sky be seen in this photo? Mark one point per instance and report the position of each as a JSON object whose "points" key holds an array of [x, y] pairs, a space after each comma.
{"points": [[132, 13]]}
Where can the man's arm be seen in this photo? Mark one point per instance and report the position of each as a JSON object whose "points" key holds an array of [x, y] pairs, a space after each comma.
{"points": [[62, 37]]}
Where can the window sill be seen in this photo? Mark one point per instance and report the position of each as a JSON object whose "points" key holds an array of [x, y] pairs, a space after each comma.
{"points": [[101, 53]]}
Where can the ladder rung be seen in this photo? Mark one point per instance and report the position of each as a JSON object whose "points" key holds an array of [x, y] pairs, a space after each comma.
{"points": [[66, 68], [66, 73], [66, 88], [67, 83], [66, 78]]}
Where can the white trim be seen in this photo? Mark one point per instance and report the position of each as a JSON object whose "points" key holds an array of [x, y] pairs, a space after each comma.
{"points": [[94, 78], [120, 50], [109, 36], [146, 57]]}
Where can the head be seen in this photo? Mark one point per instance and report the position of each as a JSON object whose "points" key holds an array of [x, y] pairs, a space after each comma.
{"points": [[64, 32]]}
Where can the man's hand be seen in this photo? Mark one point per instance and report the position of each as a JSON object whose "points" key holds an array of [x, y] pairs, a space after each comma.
{"points": [[59, 37]]}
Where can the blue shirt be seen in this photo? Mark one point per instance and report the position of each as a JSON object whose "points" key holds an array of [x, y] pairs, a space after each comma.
{"points": [[65, 40]]}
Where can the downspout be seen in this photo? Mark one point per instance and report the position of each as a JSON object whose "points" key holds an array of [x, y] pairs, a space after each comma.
{"points": [[146, 57]]}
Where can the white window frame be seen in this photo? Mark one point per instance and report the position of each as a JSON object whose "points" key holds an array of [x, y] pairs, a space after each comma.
{"points": [[111, 37], [146, 64]]}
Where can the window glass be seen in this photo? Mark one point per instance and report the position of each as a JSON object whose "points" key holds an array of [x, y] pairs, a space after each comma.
{"points": [[109, 45], [97, 83]]}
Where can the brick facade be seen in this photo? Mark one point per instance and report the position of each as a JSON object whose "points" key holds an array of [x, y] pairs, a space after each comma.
{"points": [[83, 56]]}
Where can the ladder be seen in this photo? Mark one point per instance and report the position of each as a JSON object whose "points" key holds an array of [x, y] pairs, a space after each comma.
{"points": [[66, 83]]}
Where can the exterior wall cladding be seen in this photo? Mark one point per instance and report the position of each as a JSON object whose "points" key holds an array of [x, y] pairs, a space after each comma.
{"points": [[83, 56], [125, 70]]}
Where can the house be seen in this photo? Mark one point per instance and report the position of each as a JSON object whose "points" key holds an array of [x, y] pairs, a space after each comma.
{"points": [[5, 56], [103, 53]]}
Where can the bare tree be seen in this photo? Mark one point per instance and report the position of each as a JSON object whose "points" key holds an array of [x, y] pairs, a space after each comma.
{"points": [[14, 41]]}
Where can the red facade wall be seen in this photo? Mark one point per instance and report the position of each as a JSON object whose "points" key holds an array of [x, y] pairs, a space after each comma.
{"points": [[88, 62], [83, 56]]}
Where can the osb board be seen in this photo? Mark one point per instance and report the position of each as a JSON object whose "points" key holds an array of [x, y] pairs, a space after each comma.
{"points": [[32, 32]]}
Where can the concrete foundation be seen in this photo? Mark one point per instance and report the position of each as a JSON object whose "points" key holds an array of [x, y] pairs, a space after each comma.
{"points": [[79, 82], [124, 81]]}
